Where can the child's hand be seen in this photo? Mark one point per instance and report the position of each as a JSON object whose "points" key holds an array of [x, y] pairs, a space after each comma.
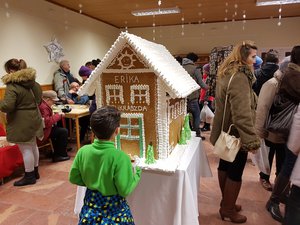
{"points": [[135, 163]]}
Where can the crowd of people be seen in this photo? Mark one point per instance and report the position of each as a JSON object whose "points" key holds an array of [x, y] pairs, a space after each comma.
{"points": [[256, 90], [255, 87]]}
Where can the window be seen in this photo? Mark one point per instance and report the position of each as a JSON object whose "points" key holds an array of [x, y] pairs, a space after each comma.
{"points": [[114, 94], [139, 94]]}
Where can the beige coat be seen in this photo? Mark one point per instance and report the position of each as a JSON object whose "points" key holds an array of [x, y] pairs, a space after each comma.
{"points": [[265, 101], [240, 108]]}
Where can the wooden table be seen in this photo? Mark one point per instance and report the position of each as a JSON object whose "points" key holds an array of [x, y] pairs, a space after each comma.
{"points": [[77, 112]]}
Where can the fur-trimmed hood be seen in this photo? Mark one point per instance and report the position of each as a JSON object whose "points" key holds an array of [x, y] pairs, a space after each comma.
{"points": [[232, 69], [248, 72], [24, 77]]}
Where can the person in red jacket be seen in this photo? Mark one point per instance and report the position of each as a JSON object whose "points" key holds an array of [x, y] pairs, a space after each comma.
{"points": [[204, 98], [58, 135]]}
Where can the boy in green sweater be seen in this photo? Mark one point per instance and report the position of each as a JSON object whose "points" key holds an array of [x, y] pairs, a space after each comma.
{"points": [[106, 172]]}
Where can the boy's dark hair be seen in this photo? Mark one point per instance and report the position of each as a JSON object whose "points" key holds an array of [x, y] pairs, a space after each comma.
{"points": [[192, 56], [295, 55], [272, 56], [104, 121]]}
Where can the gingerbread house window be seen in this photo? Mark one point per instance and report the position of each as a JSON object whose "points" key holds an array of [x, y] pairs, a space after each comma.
{"points": [[139, 94], [114, 94]]}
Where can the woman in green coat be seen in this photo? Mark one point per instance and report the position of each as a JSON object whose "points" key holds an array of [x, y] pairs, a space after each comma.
{"points": [[240, 111], [24, 122]]}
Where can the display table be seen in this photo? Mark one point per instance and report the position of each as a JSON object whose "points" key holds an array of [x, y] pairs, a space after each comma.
{"points": [[167, 198]]}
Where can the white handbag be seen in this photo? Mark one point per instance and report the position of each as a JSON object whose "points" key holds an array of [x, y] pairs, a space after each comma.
{"points": [[227, 146]]}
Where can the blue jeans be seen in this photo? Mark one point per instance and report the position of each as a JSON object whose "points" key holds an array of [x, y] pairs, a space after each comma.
{"points": [[292, 209], [193, 107]]}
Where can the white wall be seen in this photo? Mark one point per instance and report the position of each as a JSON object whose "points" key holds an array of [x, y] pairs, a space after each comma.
{"points": [[201, 38], [31, 24]]}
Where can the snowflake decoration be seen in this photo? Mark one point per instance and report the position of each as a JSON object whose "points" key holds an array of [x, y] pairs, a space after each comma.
{"points": [[55, 51]]}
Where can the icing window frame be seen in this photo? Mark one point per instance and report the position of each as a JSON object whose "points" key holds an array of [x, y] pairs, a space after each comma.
{"points": [[118, 93], [136, 92]]}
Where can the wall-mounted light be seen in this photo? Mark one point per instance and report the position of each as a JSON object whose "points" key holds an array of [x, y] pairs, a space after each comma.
{"points": [[158, 11], [275, 2]]}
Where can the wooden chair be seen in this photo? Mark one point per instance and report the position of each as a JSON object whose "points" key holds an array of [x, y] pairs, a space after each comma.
{"points": [[47, 144]]}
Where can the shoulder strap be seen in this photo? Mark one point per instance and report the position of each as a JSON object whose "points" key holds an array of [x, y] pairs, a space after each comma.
{"points": [[226, 102], [33, 96]]}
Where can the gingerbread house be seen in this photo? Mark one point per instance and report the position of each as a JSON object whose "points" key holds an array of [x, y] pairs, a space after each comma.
{"points": [[144, 81]]}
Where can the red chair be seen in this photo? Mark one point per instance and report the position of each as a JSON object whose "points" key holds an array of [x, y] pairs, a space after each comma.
{"points": [[10, 158]]}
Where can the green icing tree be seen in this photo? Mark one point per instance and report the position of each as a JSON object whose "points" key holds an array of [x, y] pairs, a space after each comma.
{"points": [[182, 140], [150, 154], [187, 127]]}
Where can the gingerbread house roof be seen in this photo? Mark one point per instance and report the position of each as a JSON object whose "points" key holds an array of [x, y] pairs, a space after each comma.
{"points": [[178, 82]]}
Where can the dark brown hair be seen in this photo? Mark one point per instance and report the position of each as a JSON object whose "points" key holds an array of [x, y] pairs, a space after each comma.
{"points": [[295, 55], [104, 122], [272, 56], [13, 65]]}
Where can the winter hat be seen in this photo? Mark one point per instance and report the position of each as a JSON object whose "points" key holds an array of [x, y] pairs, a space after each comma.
{"points": [[206, 67], [84, 71], [258, 62], [50, 94]]}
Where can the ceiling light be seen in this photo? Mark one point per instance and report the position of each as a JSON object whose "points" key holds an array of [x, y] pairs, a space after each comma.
{"points": [[158, 11], [275, 2]]}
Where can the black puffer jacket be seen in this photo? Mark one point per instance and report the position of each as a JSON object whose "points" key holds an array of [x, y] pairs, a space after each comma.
{"points": [[263, 74]]}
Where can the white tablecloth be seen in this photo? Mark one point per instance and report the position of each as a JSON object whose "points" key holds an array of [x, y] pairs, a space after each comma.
{"points": [[167, 198]]}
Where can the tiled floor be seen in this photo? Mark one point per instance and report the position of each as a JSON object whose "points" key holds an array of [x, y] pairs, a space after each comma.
{"points": [[51, 200]]}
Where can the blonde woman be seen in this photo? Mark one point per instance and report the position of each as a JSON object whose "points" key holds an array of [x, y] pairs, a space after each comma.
{"points": [[24, 123], [240, 111]]}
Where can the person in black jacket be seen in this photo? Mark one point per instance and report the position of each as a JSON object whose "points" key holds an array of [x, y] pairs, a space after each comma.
{"points": [[267, 70], [188, 64]]}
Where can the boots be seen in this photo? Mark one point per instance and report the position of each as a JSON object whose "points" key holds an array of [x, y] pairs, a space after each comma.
{"points": [[36, 173], [222, 176], [29, 178], [227, 210], [281, 183]]}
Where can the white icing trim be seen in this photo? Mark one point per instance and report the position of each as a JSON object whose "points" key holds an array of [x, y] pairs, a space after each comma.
{"points": [[162, 121], [128, 71], [98, 94], [182, 107]]}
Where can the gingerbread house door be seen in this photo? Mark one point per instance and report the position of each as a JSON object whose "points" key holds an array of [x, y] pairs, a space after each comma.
{"points": [[132, 133]]}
